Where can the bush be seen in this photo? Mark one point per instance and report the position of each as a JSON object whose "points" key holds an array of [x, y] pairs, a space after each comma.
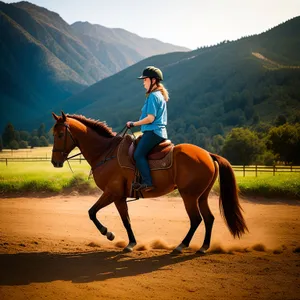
{"points": [[23, 144], [13, 145]]}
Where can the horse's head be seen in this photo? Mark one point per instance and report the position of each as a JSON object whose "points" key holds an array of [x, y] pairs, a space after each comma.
{"points": [[64, 142]]}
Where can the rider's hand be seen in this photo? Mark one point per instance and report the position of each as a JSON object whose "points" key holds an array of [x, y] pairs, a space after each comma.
{"points": [[129, 124]]}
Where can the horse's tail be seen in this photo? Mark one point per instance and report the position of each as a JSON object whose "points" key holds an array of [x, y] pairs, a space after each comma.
{"points": [[229, 201]]}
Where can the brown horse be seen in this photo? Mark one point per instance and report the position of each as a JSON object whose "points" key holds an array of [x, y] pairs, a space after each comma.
{"points": [[193, 173]]}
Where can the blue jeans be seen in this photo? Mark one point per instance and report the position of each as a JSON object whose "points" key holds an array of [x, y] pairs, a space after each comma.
{"points": [[148, 140]]}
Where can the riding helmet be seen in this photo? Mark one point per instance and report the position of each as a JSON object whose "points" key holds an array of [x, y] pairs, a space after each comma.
{"points": [[152, 72]]}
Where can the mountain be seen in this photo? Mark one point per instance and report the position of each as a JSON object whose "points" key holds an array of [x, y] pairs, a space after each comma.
{"points": [[125, 40], [212, 89], [45, 60]]}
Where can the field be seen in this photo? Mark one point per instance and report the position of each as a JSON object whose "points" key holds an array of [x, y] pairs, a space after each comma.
{"points": [[49, 248], [18, 176]]}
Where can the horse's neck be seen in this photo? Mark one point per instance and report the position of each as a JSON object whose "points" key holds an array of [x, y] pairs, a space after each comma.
{"points": [[92, 145]]}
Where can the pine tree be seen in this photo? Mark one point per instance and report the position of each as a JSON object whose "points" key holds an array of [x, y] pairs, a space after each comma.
{"points": [[8, 135], [42, 131]]}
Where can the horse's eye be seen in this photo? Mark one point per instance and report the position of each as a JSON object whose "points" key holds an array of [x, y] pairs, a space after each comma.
{"points": [[60, 135]]}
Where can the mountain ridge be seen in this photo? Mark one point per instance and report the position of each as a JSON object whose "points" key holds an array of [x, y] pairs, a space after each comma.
{"points": [[44, 60], [212, 89]]}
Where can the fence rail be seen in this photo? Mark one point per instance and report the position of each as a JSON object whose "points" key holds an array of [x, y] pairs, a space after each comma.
{"points": [[6, 160], [266, 169], [253, 169]]}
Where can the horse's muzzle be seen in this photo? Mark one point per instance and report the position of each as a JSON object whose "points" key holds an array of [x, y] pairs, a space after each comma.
{"points": [[57, 164]]}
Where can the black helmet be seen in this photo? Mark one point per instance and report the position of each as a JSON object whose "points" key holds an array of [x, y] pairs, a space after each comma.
{"points": [[152, 72]]}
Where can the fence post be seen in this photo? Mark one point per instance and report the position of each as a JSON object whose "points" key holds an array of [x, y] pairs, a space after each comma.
{"points": [[244, 170], [274, 169], [6, 161], [255, 170], [80, 158]]}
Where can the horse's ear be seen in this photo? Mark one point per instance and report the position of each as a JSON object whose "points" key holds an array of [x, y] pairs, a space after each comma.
{"points": [[63, 116], [55, 116]]}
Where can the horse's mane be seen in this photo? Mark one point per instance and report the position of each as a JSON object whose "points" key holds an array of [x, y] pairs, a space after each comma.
{"points": [[100, 127]]}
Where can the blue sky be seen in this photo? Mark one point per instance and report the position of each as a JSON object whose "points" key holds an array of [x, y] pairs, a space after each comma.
{"points": [[189, 23]]}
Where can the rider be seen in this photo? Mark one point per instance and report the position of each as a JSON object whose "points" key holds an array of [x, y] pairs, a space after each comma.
{"points": [[153, 121]]}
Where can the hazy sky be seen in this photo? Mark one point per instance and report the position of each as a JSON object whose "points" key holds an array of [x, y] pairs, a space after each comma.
{"points": [[189, 23]]}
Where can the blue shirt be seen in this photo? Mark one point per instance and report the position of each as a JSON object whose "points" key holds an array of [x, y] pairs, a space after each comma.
{"points": [[155, 105]]}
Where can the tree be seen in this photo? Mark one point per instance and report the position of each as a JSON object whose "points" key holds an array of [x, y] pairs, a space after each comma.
{"points": [[23, 144], [256, 119], [34, 141], [1, 144], [43, 142], [17, 136], [242, 146], [42, 131], [296, 118], [285, 142], [217, 143], [24, 135], [34, 133], [217, 128], [8, 135], [13, 145], [280, 120]]}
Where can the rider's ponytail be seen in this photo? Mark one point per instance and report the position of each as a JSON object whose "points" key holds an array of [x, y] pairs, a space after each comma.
{"points": [[163, 90]]}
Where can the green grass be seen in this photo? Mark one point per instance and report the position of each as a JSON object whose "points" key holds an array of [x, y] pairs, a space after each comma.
{"points": [[22, 177], [286, 185], [40, 177], [282, 185]]}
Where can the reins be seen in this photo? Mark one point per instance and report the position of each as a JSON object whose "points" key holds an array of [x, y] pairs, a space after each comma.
{"points": [[67, 130], [106, 158], [112, 149]]}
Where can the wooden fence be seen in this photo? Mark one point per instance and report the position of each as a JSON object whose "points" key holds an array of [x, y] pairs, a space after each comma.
{"points": [[8, 160], [254, 170]]}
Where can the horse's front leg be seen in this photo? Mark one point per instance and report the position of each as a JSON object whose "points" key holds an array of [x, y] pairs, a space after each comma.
{"points": [[105, 199], [123, 211]]}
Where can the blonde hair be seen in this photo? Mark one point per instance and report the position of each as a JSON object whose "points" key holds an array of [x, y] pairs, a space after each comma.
{"points": [[162, 89]]}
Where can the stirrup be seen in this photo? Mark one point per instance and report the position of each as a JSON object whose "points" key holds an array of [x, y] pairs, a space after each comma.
{"points": [[142, 186]]}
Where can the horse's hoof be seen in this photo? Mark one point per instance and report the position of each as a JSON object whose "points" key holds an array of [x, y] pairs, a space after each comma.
{"points": [[176, 251], [179, 249], [110, 236], [129, 247], [202, 250]]}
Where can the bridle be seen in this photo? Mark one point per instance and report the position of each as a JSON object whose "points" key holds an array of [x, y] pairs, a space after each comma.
{"points": [[65, 154], [63, 151]]}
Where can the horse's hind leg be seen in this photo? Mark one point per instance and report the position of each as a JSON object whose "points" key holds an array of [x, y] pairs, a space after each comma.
{"points": [[206, 213], [191, 206], [123, 211], [208, 221]]}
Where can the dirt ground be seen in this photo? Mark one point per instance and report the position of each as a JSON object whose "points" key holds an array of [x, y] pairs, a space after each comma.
{"points": [[49, 249]]}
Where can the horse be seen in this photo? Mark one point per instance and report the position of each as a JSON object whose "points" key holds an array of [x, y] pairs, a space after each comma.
{"points": [[193, 172]]}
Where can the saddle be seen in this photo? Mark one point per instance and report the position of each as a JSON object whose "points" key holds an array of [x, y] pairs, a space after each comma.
{"points": [[158, 152], [160, 157]]}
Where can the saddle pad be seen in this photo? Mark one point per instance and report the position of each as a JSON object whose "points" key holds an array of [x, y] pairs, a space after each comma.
{"points": [[125, 161]]}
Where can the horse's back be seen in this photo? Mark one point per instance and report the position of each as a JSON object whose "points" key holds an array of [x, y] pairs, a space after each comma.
{"points": [[193, 152], [190, 161]]}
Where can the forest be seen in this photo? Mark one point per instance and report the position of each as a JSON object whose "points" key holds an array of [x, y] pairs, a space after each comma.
{"points": [[261, 143]]}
